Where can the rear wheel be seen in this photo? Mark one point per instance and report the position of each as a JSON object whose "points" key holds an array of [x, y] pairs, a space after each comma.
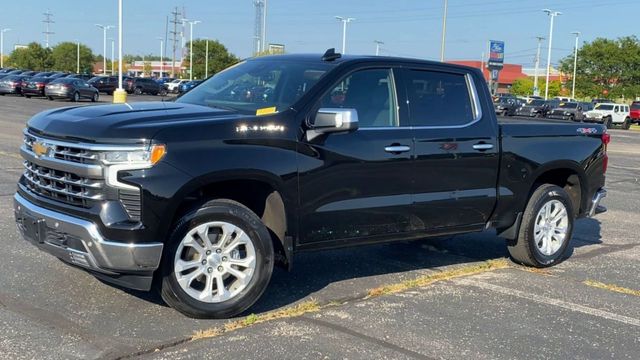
{"points": [[162, 92], [546, 228], [137, 91], [218, 262], [28, 96], [50, 98], [626, 124]]}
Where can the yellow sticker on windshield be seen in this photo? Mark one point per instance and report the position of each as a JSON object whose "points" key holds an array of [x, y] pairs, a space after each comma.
{"points": [[266, 111], [561, 104]]}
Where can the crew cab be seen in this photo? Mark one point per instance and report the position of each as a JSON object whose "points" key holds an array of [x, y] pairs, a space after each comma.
{"points": [[289, 153], [610, 115]]}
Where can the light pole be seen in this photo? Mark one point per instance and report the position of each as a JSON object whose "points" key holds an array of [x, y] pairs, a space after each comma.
{"points": [[264, 27], [191, 23], [536, 91], [206, 60], [77, 57], [444, 30], [378, 43], [161, 52], [2, 31], [345, 21], [113, 58], [575, 65], [119, 95], [551, 14], [104, 46]]}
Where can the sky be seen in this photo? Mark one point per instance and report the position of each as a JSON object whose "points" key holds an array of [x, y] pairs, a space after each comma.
{"points": [[408, 28]]}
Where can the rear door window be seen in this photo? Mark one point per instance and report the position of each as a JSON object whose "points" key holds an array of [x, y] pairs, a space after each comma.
{"points": [[438, 98]]}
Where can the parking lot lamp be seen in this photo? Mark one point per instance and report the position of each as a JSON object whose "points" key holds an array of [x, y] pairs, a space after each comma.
{"points": [[161, 52], [104, 46], [191, 23], [575, 64], [345, 21], [206, 59], [552, 14], [2, 31], [77, 57], [444, 30], [119, 96]]}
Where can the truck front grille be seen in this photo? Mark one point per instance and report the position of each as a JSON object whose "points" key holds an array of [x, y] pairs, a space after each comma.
{"points": [[63, 186]]}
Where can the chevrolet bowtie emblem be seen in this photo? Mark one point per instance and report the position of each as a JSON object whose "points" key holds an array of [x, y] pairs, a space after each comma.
{"points": [[40, 149]]}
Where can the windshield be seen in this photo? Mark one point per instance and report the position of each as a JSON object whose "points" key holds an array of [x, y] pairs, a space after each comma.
{"points": [[604, 107], [252, 85], [569, 105], [536, 103]]}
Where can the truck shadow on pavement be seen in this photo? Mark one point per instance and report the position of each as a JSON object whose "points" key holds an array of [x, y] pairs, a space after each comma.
{"points": [[343, 274]]}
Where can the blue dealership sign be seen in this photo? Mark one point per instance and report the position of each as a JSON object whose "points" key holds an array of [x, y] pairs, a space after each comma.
{"points": [[496, 54]]}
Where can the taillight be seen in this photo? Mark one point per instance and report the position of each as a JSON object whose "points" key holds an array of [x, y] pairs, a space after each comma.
{"points": [[40, 84], [606, 139]]}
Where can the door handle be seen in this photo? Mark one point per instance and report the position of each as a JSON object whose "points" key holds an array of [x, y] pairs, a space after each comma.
{"points": [[397, 149], [482, 146]]}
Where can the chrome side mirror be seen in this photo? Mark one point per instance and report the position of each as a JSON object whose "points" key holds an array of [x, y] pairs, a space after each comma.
{"points": [[329, 120]]}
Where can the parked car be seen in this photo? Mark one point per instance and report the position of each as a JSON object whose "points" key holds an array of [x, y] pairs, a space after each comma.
{"points": [[536, 108], [70, 88], [141, 86], [610, 115], [35, 86], [107, 84], [85, 77], [207, 193], [164, 80], [507, 106], [634, 114], [565, 99], [571, 111], [596, 101], [28, 73], [58, 74], [6, 70], [11, 84], [173, 86], [188, 86]]}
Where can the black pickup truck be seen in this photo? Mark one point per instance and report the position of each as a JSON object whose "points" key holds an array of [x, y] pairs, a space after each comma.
{"points": [[281, 154]]}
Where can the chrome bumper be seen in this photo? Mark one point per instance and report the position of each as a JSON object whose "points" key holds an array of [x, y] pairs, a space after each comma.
{"points": [[79, 242], [596, 208]]}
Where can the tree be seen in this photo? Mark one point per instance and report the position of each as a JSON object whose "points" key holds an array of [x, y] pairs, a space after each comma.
{"points": [[146, 68], [605, 64], [33, 57], [522, 87], [64, 57], [219, 57]]}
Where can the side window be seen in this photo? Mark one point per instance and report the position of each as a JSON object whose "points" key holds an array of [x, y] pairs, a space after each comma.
{"points": [[371, 93], [438, 98]]}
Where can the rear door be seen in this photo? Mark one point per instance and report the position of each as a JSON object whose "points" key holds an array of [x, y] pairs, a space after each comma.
{"points": [[456, 149], [356, 186]]}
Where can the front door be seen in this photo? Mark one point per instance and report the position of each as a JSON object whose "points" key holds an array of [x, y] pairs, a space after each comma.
{"points": [[356, 185], [456, 150]]}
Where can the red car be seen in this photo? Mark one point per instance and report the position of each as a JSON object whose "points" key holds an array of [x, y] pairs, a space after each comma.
{"points": [[635, 112]]}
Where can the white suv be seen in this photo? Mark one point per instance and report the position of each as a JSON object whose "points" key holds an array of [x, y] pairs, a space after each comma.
{"points": [[610, 114], [174, 85]]}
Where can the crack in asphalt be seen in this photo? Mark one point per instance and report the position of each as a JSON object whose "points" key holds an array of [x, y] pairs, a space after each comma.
{"points": [[367, 338]]}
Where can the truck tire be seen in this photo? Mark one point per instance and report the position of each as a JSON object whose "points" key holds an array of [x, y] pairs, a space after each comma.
{"points": [[626, 124], [546, 228], [220, 245], [608, 122]]}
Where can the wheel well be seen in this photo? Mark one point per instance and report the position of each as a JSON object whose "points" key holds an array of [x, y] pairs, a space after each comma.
{"points": [[260, 197], [568, 180]]}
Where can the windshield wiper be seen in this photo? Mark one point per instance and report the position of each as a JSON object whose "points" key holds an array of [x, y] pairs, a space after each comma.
{"points": [[222, 107]]}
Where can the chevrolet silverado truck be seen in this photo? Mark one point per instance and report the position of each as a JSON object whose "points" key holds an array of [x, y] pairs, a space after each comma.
{"points": [[200, 197]]}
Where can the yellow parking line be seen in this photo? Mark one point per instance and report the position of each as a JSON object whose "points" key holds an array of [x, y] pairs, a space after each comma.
{"points": [[611, 287]]}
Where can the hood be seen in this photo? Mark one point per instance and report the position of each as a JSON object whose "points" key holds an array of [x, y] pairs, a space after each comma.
{"points": [[121, 123]]}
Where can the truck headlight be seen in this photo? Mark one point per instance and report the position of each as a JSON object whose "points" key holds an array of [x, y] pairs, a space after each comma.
{"points": [[119, 160], [143, 158]]}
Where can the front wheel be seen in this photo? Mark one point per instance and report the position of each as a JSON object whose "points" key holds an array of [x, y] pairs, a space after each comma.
{"points": [[546, 228], [218, 261], [608, 123], [95, 97], [75, 97]]}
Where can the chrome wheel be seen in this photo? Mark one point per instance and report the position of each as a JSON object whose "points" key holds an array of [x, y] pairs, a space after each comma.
{"points": [[551, 227], [214, 262]]}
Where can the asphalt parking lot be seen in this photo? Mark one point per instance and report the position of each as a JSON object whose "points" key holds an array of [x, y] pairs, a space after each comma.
{"points": [[586, 307]]}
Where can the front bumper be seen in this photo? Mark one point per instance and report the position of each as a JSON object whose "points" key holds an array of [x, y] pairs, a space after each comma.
{"points": [[596, 208], [559, 116], [78, 241]]}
